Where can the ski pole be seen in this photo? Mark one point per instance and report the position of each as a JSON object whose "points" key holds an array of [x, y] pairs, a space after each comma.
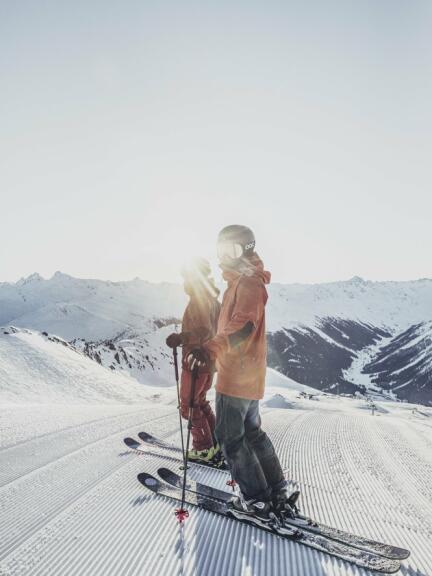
{"points": [[176, 370], [181, 512]]}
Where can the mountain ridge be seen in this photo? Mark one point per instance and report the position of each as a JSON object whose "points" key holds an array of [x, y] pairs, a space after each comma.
{"points": [[317, 333]]}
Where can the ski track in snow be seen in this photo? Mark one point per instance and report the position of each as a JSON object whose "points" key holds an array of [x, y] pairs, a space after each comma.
{"points": [[71, 505]]}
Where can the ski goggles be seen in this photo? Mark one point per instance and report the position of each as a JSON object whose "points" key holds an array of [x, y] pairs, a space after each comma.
{"points": [[230, 250]]}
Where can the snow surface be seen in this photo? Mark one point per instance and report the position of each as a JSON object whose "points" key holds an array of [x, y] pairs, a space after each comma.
{"points": [[355, 372], [141, 354], [70, 503], [275, 378], [34, 369]]}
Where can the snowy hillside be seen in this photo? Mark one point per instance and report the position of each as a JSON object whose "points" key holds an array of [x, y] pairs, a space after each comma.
{"points": [[327, 336], [43, 369], [321, 353], [71, 504], [140, 354], [405, 363]]}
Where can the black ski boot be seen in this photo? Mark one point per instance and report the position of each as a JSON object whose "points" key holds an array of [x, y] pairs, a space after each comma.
{"points": [[241, 508], [284, 505]]}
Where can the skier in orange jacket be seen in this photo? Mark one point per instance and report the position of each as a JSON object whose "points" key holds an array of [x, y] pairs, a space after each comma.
{"points": [[240, 351]]}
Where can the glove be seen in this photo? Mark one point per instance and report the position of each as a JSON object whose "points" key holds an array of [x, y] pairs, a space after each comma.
{"points": [[174, 340], [197, 357]]}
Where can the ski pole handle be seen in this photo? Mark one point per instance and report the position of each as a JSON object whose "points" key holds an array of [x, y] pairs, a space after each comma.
{"points": [[176, 370]]}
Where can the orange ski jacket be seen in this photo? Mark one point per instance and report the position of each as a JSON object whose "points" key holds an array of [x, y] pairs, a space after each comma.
{"points": [[241, 369]]}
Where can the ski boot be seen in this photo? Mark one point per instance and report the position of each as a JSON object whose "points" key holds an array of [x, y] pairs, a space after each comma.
{"points": [[207, 455], [215, 453], [218, 460], [197, 454], [284, 505], [251, 509]]}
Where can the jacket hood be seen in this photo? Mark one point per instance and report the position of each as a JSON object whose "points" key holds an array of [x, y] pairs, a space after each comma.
{"points": [[252, 267]]}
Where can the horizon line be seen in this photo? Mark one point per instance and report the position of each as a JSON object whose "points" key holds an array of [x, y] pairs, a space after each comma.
{"points": [[354, 279]]}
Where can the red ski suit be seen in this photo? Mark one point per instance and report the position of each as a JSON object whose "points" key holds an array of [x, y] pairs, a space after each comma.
{"points": [[198, 325]]}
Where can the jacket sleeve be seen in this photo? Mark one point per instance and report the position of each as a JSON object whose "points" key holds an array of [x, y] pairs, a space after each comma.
{"points": [[248, 307]]}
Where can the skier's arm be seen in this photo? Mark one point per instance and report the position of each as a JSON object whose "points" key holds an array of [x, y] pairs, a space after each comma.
{"points": [[196, 325], [248, 309], [200, 328], [211, 348], [241, 335]]}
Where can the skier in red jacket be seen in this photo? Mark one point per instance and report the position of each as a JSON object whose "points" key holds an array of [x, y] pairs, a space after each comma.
{"points": [[198, 325]]}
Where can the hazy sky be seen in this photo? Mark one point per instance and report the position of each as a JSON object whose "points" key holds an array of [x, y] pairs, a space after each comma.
{"points": [[132, 131]]}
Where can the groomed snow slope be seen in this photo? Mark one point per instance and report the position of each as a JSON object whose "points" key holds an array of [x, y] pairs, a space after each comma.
{"points": [[70, 503], [37, 368]]}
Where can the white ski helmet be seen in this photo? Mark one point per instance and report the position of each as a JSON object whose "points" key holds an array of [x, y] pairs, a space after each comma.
{"points": [[235, 241]]}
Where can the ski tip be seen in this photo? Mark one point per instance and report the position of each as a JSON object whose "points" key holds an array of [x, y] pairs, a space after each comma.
{"points": [[145, 437], [131, 442], [402, 554], [149, 481], [164, 472], [171, 477]]}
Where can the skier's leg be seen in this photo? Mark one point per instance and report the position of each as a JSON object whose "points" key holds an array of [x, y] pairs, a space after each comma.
{"points": [[242, 460], [185, 392], [263, 447], [201, 435], [283, 503], [210, 418], [207, 409], [202, 408]]}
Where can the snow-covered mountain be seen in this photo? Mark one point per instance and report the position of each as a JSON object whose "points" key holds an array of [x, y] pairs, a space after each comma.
{"points": [[140, 354], [404, 365], [332, 336], [322, 352], [392, 305], [35, 300], [38, 368], [89, 309]]}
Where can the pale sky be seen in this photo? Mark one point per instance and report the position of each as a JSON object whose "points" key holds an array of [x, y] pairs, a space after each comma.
{"points": [[131, 132]]}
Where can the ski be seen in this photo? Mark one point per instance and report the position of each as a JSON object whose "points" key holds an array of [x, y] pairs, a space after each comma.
{"points": [[300, 521], [149, 439], [361, 558], [133, 444], [172, 453]]}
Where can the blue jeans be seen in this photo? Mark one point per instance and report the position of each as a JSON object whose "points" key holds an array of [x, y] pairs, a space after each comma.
{"points": [[248, 450]]}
